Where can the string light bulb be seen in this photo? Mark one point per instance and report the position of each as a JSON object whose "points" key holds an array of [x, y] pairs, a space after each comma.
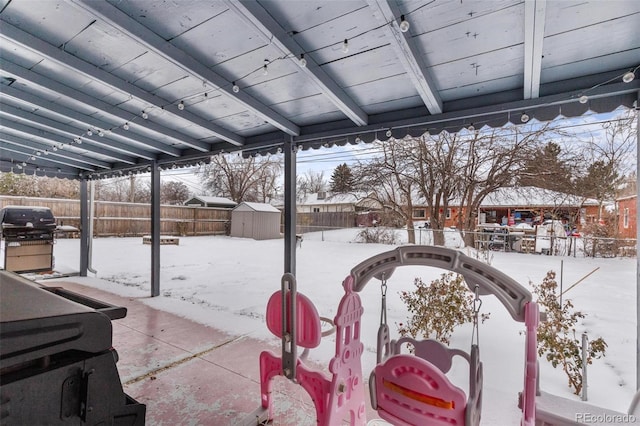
{"points": [[145, 115], [55, 148], [101, 133], [303, 61], [89, 132], [524, 117], [126, 126], [345, 46], [628, 77], [79, 141], [235, 88], [389, 134], [265, 68], [471, 128], [583, 99], [404, 24], [181, 105]]}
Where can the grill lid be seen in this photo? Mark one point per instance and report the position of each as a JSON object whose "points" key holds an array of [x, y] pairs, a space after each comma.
{"points": [[28, 218]]}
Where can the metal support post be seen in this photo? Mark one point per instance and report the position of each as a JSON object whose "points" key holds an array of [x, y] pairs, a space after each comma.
{"points": [[289, 207], [84, 227], [155, 229]]}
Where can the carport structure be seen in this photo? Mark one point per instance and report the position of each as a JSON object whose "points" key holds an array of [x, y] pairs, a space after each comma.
{"points": [[96, 89]]}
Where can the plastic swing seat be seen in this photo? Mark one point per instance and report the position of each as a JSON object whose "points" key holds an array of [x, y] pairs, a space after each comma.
{"points": [[405, 389], [414, 389], [337, 396]]}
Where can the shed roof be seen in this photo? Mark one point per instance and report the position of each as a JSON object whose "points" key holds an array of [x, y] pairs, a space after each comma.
{"points": [[257, 207], [93, 87]]}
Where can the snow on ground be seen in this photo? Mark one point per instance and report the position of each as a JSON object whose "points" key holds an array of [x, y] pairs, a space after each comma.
{"points": [[225, 282]]}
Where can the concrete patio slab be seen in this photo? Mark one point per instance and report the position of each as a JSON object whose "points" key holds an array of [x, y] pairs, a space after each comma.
{"points": [[191, 374]]}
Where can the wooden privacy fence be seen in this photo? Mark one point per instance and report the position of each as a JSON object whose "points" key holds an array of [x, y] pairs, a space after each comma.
{"points": [[133, 219]]}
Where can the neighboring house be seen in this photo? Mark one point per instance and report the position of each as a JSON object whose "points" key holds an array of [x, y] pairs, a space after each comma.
{"points": [[534, 205], [510, 206], [326, 202], [627, 208], [205, 201], [421, 214]]}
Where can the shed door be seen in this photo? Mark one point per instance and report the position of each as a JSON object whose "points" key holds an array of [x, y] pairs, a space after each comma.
{"points": [[246, 224]]}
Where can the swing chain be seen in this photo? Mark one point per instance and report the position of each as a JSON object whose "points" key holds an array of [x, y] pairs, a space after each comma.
{"points": [[383, 290], [477, 304]]}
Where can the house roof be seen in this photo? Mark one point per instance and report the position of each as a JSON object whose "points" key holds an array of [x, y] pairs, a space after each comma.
{"points": [[533, 197], [328, 199], [627, 197], [258, 207], [90, 88], [213, 200]]}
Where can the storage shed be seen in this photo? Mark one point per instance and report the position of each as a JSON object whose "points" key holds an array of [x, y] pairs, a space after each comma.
{"points": [[255, 220]]}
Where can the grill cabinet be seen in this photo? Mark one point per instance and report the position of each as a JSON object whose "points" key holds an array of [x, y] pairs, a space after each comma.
{"points": [[28, 238], [57, 364]]}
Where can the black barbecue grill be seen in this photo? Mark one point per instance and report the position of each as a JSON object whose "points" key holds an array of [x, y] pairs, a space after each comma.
{"points": [[28, 238], [57, 364]]}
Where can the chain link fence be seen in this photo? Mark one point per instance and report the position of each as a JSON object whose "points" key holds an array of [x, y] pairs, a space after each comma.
{"points": [[514, 242]]}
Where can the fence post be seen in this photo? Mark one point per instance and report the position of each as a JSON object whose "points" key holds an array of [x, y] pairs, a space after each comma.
{"points": [[585, 351], [561, 274]]}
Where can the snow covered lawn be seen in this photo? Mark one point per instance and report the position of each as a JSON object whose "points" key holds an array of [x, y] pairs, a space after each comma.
{"points": [[225, 282]]}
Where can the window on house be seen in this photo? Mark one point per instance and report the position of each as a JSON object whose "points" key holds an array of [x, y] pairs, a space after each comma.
{"points": [[448, 213], [419, 213], [316, 209], [625, 218]]}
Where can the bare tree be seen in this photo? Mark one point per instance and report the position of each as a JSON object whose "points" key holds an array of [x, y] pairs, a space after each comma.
{"points": [[37, 186], [439, 170], [609, 157], [491, 160], [173, 192], [310, 183], [241, 179], [438, 160], [130, 189], [388, 180]]}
